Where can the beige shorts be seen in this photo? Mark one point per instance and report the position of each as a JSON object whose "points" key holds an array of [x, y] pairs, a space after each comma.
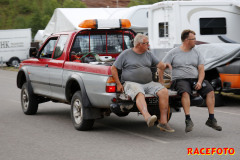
{"points": [[133, 88]]}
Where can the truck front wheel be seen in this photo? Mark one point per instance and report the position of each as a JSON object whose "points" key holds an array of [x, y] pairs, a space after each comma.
{"points": [[28, 100], [77, 112]]}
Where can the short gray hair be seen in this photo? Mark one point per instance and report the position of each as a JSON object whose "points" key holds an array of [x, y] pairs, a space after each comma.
{"points": [[139, 39]]}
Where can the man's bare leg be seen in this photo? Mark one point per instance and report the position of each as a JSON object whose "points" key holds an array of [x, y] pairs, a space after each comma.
{"points": [[142, 105], [163, 105], [210, 102], [186, 103]]}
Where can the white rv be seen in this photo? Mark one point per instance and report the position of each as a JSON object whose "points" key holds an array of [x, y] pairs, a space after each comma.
{"points": [[14, 45], [214, 21]]}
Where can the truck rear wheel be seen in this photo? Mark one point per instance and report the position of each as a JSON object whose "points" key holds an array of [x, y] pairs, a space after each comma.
{"points": [[77, 112], [169, 114], [28, 100]]}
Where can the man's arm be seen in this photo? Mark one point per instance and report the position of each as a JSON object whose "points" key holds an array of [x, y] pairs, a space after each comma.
{"points": [[115, 76], [201, 75], [161, 67]]}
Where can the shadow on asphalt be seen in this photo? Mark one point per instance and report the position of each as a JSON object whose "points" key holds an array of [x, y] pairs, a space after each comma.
{"points": [[231, 99]]}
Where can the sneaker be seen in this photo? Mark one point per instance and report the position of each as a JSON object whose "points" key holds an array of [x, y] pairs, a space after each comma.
{"points": [[213, 123], [151, 120], [189, 125], [165, 127]]}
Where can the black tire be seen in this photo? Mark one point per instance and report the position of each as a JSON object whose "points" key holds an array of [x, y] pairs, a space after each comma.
{"points": [[8, 64], [219, 100], [123, 114], [77, 112], [14, 62], [169, 115], [28, 100]]}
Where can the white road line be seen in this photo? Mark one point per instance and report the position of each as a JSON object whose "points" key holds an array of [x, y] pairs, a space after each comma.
{"points": [[136, 134], [221, 111]]}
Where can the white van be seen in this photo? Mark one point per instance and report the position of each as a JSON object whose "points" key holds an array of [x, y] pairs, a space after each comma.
{"points": [[14, 45]]}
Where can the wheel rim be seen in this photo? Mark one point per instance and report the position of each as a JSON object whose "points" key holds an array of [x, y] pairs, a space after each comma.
{"points": [[15, 62], [25, 99], [77, 111]]}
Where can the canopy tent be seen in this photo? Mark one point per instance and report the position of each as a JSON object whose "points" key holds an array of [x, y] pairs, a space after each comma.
{"points": [[39, 36], [138, 16], [66, 19]]}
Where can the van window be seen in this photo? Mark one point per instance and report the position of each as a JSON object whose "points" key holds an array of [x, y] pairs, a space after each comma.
{"points": [[163, 29], [60, 46], [97, 43], [212, 26]]}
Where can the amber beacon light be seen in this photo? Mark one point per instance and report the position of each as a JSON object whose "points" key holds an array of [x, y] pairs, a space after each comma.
{"points": [[105, 23]]}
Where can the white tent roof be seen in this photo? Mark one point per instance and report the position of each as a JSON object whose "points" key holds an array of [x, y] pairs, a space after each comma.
{"points": [[39, 36], [136, 14], [66, 19]]}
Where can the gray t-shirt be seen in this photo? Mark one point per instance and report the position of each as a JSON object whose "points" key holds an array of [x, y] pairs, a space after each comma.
{"points": [[184, 64], [136, 67]]}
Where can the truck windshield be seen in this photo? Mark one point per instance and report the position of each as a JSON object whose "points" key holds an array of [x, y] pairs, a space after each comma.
{"points": [[102, 43]]}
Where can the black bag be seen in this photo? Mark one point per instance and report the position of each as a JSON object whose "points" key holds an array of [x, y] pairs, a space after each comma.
{"points": [[88, 59]]}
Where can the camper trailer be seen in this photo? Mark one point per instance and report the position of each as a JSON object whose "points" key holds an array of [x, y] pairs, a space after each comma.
{"points": [[215, 21]]}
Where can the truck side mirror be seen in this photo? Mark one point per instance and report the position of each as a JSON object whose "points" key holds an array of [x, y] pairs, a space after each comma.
{"points": [[33, 52]]}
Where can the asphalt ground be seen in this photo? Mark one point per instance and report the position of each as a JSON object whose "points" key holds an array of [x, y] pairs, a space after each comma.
{"points": [[50, 135]]}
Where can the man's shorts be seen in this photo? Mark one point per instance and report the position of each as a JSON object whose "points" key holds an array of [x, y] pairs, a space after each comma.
{"points": [[133, 88], [187, 85]]}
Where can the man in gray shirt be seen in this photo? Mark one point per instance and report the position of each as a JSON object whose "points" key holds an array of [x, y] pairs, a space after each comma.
{"points": [[188, 74], [137, 81]]}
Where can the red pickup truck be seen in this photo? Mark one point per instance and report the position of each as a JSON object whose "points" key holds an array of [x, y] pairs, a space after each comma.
{"points": [[74, 68]]}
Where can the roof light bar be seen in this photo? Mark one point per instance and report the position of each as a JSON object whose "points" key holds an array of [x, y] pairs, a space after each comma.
{"points": [[105, 23]]}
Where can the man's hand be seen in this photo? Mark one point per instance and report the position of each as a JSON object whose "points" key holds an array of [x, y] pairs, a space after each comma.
{"points": [[120, 88], [169, 66], [198, 86]]}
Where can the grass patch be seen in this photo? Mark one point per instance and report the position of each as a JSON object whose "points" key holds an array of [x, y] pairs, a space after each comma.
{"points": [[231, 95], [9, 68]]}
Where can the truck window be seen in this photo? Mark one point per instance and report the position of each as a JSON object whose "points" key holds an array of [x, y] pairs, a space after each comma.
{"points": [[60, 46], [48, 48], [97, 43]]}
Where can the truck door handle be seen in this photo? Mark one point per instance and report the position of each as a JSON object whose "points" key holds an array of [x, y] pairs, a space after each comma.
{"points": [[46, 65]]}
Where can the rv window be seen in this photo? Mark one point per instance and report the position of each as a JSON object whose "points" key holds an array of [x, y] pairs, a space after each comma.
{"points": [[211, 26], [163, 29]]}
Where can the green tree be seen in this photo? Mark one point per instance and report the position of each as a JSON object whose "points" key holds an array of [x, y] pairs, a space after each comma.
{"points": [[24, 6], [35, 14], [142, 2], [36, 22], [73, 4], [4, 2]]}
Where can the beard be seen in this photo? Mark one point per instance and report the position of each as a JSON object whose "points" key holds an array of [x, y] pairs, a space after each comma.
{"points": [[193, 46]]}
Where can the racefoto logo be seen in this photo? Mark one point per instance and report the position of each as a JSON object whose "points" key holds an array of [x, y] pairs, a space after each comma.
{"points": [[210, 151]]}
